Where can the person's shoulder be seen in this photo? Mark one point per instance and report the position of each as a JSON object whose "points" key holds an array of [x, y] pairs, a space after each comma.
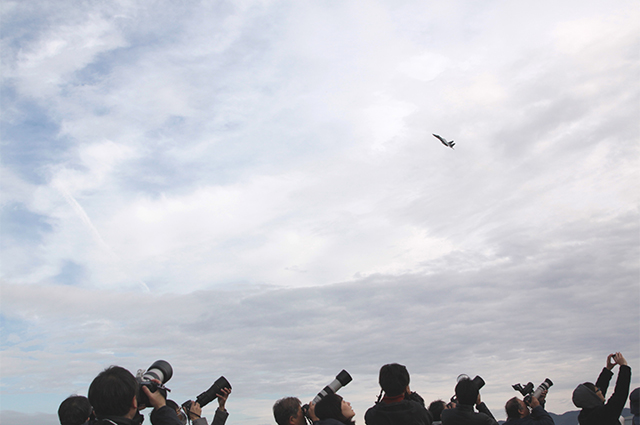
{"points": [[373, 408], [372, 411], [414, 404]]}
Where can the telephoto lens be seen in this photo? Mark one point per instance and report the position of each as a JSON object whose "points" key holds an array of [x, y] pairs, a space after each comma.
{"points": [[211, 394], [213, 391], [160, 370], [546, 384], [342, 379]]}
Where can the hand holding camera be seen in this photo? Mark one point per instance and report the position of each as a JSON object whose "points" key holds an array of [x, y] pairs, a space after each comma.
{"points": [[222, 398], [342, 379], [614, 359], [153, 380], [195, 411], [156, 399], [220, 389], [529, 394]]}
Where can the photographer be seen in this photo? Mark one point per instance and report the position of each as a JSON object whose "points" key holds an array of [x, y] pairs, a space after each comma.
{"points": [[591, 398], [334, 410], [467, 394], [114, 397], [399, 406], [518, 412], [75, 410], [436, 408], [288, 411], [221, 414]]}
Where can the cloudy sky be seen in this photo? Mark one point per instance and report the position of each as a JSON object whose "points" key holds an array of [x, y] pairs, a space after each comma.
{"points": [[251, 188]]}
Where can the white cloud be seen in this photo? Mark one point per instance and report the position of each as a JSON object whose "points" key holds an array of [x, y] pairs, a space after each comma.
{"points": [[45, 66], [268, 171], [426, 66]]}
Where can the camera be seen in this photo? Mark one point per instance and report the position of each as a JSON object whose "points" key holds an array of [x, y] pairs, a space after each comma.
{"points": [[414, 396], [342, 379], [527, 391], [160, 370], [477, 380], [208, 396]]}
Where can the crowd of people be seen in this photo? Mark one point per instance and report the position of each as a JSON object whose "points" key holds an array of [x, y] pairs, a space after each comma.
{"points": [[115, 397]]}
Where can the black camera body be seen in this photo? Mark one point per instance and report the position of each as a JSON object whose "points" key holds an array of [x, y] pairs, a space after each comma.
{"points": [[208, 396], [414, 396], [477, 380], [160, 370], [527, 391]]}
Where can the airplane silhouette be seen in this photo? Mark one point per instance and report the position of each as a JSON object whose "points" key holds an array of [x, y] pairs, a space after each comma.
{"points": [[444, 141]]}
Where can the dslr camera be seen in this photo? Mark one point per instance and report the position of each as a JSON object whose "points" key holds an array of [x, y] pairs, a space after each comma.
{"points": [[342, 379], [527, 391], [160, 370], [477, 380], [208, 396]]}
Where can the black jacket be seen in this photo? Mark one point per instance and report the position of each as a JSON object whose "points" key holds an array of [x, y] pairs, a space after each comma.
{"points": [[328, 421], [163, 416], [405, 412], [464, 415], [608, 413], [538, 416], [219, 419]]}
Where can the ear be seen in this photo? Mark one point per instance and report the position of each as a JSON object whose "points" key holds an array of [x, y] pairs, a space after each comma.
{"points": [[133, 408]]}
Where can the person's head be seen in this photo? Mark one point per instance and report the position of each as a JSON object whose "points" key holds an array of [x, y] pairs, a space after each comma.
{"points": [[75, 410], [114, 393], [467, 392], [436, 407], [516, 408], [181, 416], [597, 391], [587, 396], [333, 406], [288, 411], [394, 379]]}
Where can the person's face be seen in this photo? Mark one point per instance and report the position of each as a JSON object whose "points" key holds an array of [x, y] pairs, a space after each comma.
{"points": [[298, 419], [347, 411], [599, 394], [524, 410], [181, 416]]}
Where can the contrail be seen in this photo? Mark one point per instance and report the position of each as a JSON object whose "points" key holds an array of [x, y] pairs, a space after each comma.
{"points": [[77, 208]]}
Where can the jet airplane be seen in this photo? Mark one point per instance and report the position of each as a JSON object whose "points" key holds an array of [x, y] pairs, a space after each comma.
{"points": [[444, 141]]}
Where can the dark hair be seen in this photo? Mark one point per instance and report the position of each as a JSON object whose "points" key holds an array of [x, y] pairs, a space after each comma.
{"points": [[590, 386], [112, 392], [74, 410], [435, 408], [172, 404], [393, 379], [467, 392], [330, 407], [286, 408], [512, 408]]}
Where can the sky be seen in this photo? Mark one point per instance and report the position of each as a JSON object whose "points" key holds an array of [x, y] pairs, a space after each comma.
{"points": [[251, 188]]}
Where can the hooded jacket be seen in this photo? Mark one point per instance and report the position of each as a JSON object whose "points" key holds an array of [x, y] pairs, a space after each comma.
{"points": [[595, 411]]}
